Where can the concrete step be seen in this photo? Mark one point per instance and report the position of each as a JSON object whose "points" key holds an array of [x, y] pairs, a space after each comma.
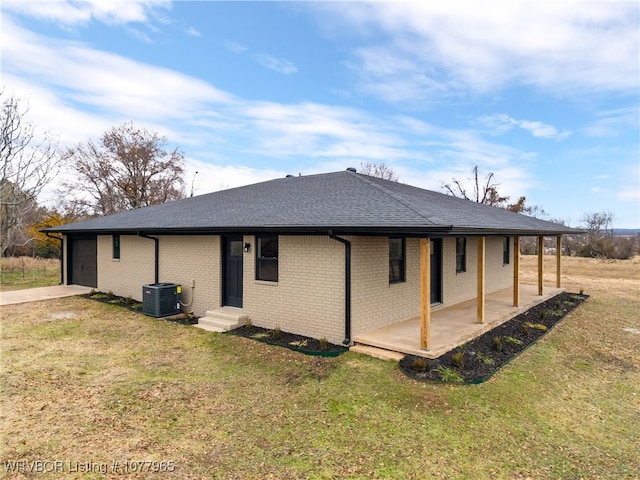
{"points": [[222, 320], [376, 352]]}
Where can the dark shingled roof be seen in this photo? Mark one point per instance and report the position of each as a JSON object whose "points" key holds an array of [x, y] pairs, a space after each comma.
{"points": [[344, 202]]}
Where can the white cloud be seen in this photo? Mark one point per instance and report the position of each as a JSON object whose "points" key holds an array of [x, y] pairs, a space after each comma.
{"points": [[611, 123], [274, 63], [65, 12], [271, 62], [234, 47], [103, 81], [501, 123], [436, 50], [81, 92], [193, 32], [206, 177]]}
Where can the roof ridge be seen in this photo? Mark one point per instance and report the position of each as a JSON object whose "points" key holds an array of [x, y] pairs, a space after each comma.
{"points": [[398, 198]]}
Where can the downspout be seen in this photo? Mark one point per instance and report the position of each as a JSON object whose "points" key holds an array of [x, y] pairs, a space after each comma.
{"points": [[347, 286], [156, 255], [61, 255]]}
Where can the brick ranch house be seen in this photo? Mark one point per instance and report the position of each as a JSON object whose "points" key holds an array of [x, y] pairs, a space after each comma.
{"points": [[331, 255]]}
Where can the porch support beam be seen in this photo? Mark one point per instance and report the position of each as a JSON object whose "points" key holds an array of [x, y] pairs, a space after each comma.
{"points": [[516, 271], [425, 293], [558, 261], [481, 280], [540, 263]]}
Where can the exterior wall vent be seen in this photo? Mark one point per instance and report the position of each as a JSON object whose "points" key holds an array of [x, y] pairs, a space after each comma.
{"points": [[161, 299]]}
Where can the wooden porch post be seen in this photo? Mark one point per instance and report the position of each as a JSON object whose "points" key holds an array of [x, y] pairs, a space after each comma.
{"points": [[516, 271], [480, 282], [540, 263], [558, 261], [425, 293]]}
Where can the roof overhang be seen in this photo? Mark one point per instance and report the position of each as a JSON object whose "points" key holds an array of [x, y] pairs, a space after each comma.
{"points": [[406, 231]]}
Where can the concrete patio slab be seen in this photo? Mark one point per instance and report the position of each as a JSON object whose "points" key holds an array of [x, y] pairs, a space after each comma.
{"points": [[454, 325], [41, 293]]}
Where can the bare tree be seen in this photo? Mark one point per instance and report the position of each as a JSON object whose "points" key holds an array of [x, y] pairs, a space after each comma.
{"points": [[28, 162], [379, 170], [129, 168], [485, 192], [599, 237]]}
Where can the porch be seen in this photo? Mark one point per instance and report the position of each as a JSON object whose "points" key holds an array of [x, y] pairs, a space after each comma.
{"points": [[451, 326]]}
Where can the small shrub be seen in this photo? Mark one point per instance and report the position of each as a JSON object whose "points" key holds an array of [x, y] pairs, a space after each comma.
{"points": [[512, 340], [419, 365], [324, 343], [298, 343], [543, 313], [260, 336], [582, 291], [276, 333], [457, 359], [448, 375], [249, 324], [485, 359], [497, 344], [528, 326]]}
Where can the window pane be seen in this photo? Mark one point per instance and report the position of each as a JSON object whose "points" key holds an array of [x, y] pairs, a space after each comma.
{"points": [[461, 254], [505, 251], [268, 269], [116, 246], [267, 258], [396, 260], [235, 248], [268, 247]]}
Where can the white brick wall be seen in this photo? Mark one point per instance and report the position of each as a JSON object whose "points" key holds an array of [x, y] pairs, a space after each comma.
{"points": [[135, 267], [458, 287], [187, 259], [309, 296]]}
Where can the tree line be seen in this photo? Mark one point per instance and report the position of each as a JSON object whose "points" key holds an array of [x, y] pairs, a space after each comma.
{"points": [[128, 167], [131, 167]]}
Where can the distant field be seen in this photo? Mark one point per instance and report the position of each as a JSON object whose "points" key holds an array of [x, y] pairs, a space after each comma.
{"points": [[95, 385], [28, 272]]}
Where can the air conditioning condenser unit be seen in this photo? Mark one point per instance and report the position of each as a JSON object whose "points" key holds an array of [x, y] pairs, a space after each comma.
{"points": [[161, 299]]}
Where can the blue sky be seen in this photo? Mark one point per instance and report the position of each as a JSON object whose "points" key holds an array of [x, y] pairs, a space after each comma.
{"points": [[543, 94]]}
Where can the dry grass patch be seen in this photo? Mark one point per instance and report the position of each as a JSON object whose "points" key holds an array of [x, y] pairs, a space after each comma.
{"points": [[28, 272], [107, 384]]}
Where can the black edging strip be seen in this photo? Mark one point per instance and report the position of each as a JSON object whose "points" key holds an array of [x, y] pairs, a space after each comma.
{"points": [[479, 380]]}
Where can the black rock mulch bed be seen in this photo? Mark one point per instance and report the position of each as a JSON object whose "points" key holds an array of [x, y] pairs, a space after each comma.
{"points": [[136, 306], [477, 360], [298, 343]]}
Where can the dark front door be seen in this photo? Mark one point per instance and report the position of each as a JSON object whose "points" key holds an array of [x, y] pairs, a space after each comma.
{"points": [[436, 270], [232, 272], [82, 266]]}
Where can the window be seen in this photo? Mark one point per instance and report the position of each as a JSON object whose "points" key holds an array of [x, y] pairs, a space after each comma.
{"points": [[267, 258], [506, 251], [396, 260], [115, 240], [461, 254]]}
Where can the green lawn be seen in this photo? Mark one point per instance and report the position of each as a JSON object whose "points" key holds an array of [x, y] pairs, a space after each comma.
{"points": [[87, 382]]}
